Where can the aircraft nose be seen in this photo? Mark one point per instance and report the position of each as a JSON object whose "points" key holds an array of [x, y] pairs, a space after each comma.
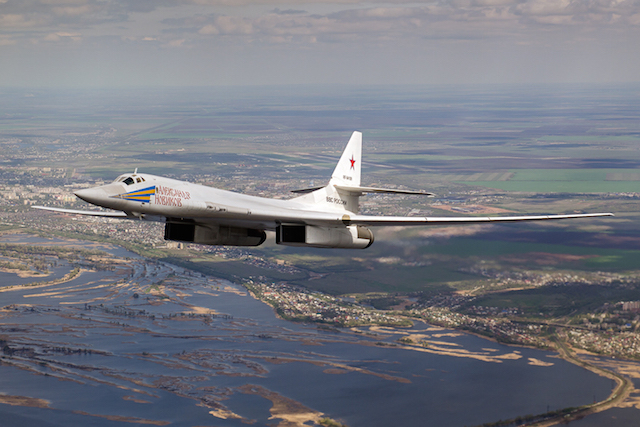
{"points": [[91, 195]]}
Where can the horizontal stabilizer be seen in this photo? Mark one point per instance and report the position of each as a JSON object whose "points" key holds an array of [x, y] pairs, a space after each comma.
{"points": [[381, 190], [113, 214], [307, 190], [362, 190]]}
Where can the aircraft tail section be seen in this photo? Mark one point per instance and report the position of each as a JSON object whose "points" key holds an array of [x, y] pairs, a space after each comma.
{"points": [[344, 190], [347, 172]]}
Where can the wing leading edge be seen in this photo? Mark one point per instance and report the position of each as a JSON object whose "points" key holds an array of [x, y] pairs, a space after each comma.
{"points": [[374, 221], [110, 214]]}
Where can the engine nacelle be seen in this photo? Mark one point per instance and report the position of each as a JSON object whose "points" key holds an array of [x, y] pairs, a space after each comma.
{"points": [[213, 234], [351, 237]]}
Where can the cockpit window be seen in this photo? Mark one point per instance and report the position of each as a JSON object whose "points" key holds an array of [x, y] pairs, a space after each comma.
{"points": [[127, 179]]}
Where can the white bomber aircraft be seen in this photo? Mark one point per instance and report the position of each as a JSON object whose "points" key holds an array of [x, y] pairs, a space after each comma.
{"points": [[324, 217]]}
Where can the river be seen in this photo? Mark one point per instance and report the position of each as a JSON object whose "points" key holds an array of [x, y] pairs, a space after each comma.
{"points": [[195, 350]]}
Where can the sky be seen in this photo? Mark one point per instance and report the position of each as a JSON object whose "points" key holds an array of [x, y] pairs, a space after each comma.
{"points": [[126, 43]]}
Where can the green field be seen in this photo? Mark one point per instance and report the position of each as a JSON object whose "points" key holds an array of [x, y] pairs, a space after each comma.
{"points": [[559, 300], [566, 181], [594, 258], [386, 279]]}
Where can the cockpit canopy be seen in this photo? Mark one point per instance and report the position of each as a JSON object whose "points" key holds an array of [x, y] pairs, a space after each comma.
{"points": [[130, 179]]}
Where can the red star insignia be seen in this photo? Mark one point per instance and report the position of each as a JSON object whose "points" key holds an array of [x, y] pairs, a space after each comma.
{"points": [[353, 162]]}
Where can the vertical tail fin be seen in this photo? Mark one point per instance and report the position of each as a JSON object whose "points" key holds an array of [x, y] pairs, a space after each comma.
{"points": [[344, 190], [347, 172]]}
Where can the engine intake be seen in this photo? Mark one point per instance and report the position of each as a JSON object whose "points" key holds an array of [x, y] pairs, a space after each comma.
{"points": [[351, 237], [213, 234]]}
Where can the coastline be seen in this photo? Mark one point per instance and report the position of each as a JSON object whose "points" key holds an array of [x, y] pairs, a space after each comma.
{"points": [[624, 387], [617, 398]]}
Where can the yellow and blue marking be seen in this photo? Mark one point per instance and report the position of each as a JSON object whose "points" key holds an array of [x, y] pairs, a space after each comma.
{"points": [[143, 195]]}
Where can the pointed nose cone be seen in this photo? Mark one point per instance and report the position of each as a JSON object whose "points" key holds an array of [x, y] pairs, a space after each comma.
{"points": [[91, 195]]}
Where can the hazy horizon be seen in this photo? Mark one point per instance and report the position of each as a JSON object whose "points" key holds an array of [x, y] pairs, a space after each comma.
{"points": [[91, 43]]}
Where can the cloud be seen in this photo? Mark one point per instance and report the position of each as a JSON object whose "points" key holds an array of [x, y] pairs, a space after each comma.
{"points": [[234, 25], [229, 25], [319, 40], [513, 20], [570, 12], [63, 36], [208, 30], [380, 13], [63, 2], [288, 12], [53, 14], [176, 43], [352, 21], [6, 41], [13, 21], [72, 10], [353, 25]]}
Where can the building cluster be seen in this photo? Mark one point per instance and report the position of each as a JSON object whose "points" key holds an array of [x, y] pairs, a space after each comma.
{"points": [[16, 194], [500, 279], [631, 305], [502, 329], [296, 303], [613, 318], [619, 344], [611, 331], [238, 253], [139, 232], [493, 311]]}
